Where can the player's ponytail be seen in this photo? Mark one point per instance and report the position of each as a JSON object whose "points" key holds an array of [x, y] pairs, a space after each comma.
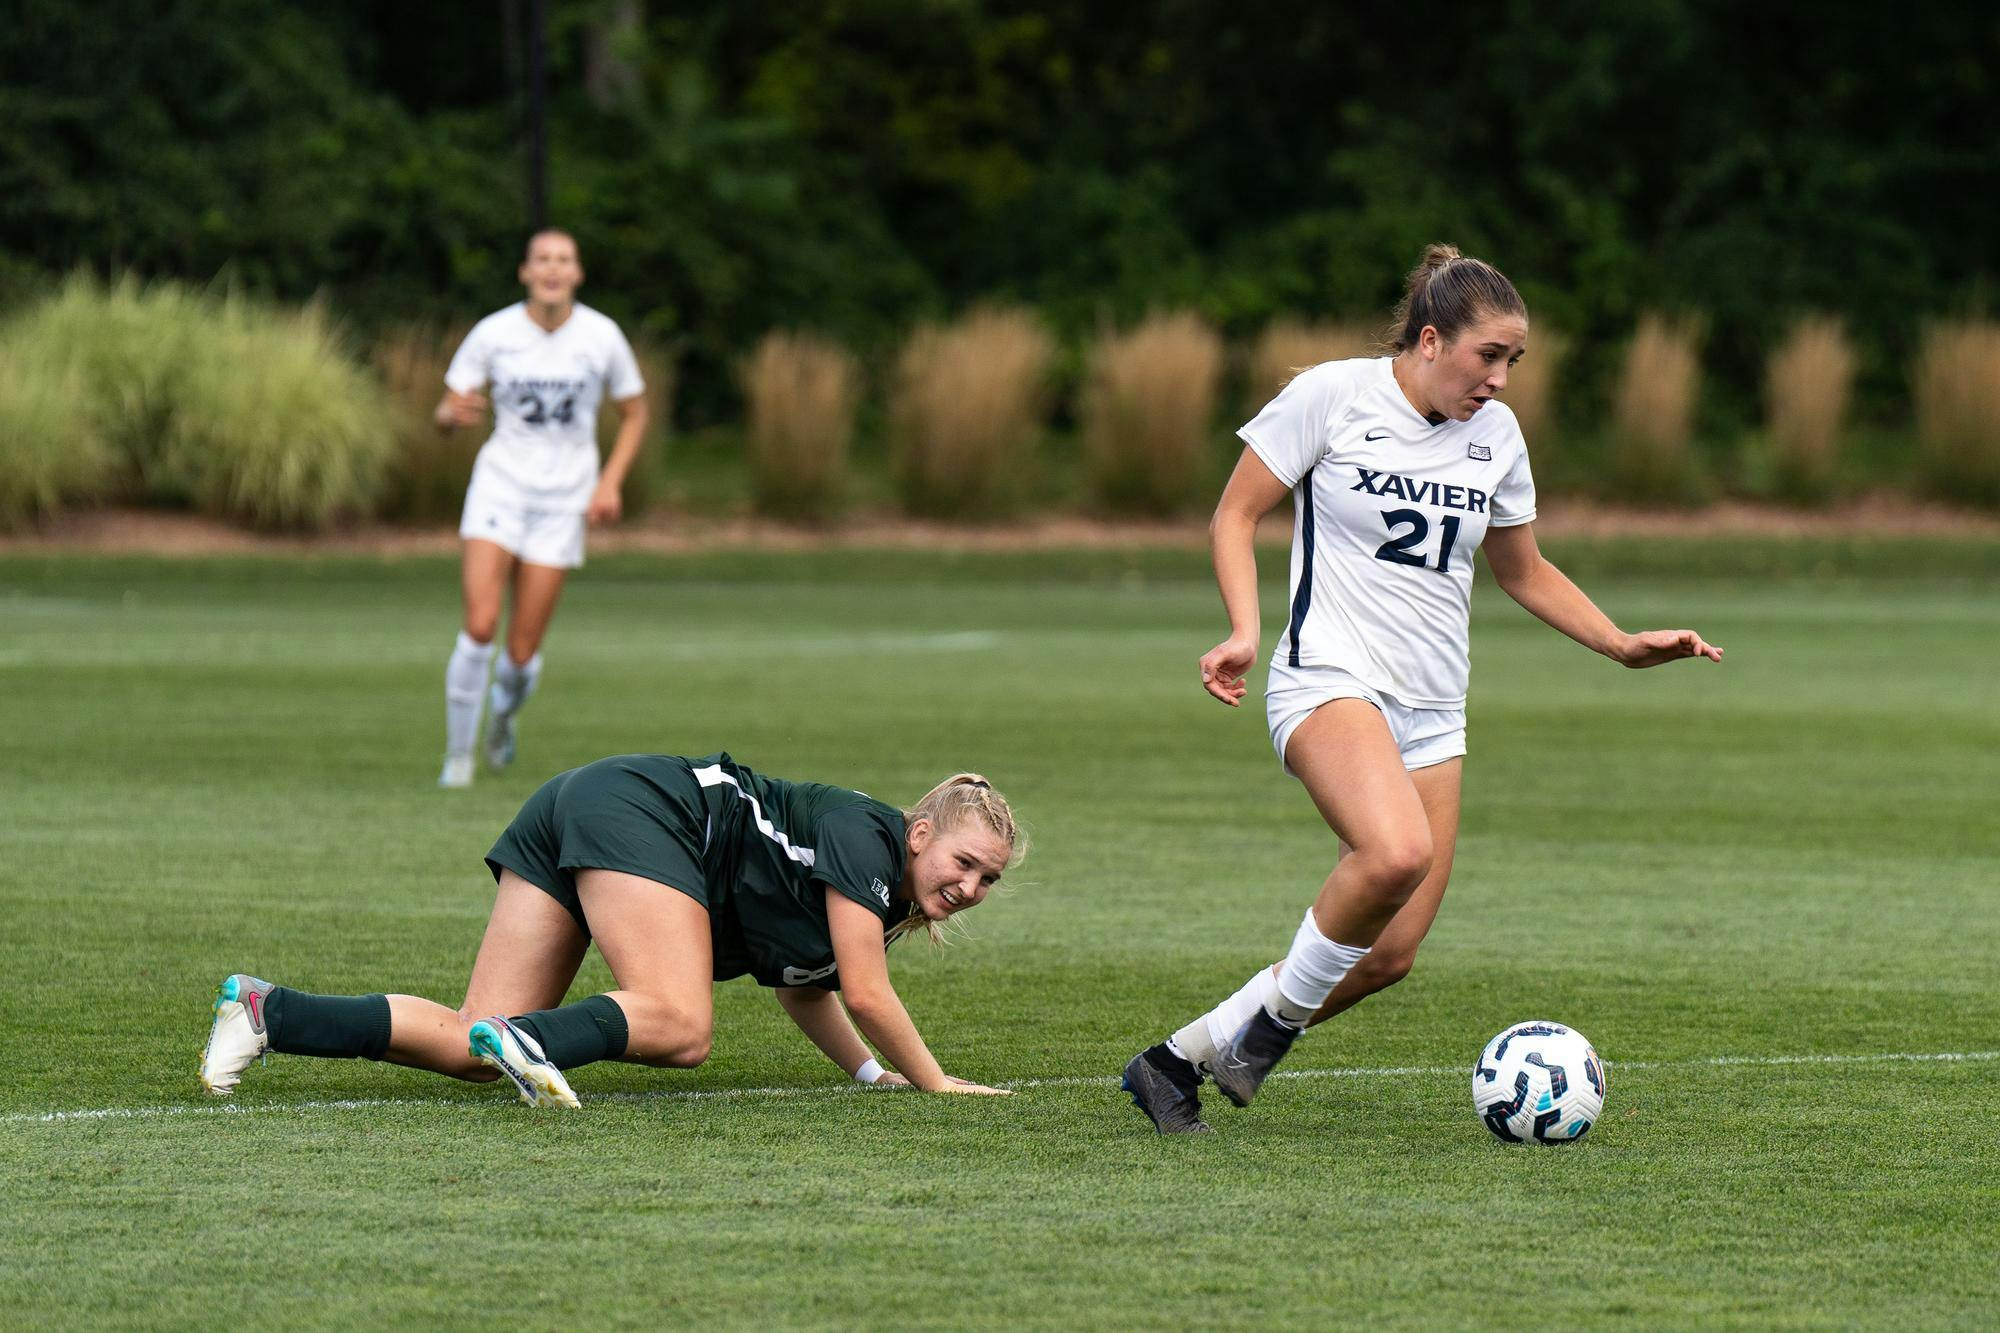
{"points": [[1450, 292], [961, 797]]}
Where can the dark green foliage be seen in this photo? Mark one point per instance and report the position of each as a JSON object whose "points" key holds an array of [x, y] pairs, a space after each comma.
{"points": [[853, 166]]}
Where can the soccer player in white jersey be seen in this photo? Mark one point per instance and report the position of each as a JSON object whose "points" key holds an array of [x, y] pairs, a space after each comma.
{"points": [[546, 362], [1400, 467]]}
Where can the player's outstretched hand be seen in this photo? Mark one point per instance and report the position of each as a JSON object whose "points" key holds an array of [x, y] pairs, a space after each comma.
{"points": [[1224, 666], [461, 409], [606, 505], [1654, 646], [976, 1089], [890, 1079]]}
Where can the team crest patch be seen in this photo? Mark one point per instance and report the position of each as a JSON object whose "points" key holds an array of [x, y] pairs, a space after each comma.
{"points": [[1480, 452], [880, 890]]}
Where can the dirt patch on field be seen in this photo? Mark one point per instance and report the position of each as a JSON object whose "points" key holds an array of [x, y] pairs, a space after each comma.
{"points": [[150, 532]]}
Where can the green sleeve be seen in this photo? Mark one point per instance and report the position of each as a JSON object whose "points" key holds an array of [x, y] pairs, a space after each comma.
{"points": [[858, 852]]}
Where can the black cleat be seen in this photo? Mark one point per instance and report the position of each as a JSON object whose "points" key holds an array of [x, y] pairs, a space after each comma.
{"points": [[1167, 1089], [1247, 1059]]}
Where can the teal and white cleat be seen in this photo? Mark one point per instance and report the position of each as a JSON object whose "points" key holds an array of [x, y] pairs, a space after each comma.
{"points": [[497, 1042], [237, 1035], [499, 730]]}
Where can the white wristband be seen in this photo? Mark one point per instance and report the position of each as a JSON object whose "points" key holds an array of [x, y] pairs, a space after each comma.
{"points": [[871, 1069]]}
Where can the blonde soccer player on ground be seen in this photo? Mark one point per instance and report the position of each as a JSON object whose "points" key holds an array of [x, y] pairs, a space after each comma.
{"points": [[543, 365], [1400, 467], [683, 872]]}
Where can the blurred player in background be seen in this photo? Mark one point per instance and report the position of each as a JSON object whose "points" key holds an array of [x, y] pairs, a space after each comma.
{"points": [[1400, 468], [685, 872], [546, 362]]}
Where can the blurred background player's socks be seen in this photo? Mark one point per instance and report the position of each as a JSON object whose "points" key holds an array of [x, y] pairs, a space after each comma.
{"points": [[578, 1034], [464, 688], [514, 681], [335, 1026], [1310, 972]]}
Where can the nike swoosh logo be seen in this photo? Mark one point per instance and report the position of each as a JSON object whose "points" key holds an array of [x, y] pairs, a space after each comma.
{"points": [[1375, 435]]}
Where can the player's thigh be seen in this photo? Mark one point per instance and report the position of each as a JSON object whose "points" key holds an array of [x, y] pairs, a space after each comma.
{"points": [[484, 569], [654, 937], [1438, 787], [529, 955], [1353, 770], [537, 588]]}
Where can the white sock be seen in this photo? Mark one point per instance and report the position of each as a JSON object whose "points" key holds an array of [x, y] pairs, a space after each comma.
{"points": [[513, 682], [1312, 969], [1196, 1042], [464, 690]]}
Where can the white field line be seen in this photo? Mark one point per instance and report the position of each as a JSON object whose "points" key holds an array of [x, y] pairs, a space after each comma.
{"points": [[855, 1089]]}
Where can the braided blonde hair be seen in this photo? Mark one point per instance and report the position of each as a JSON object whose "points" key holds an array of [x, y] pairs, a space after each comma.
{"points": [[961, 797]]}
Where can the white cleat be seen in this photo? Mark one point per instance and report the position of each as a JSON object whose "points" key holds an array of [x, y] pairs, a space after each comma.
{"points": [[496, 1042], [457, 772], [237, 1036]]}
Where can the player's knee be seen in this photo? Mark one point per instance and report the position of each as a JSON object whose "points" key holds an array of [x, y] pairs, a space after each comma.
{"points": [[1380, 968], [1399, 864], [691, 1052], [482, 624]]}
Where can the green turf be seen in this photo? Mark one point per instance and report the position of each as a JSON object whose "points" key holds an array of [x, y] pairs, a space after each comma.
{"points": [[221, 765]]}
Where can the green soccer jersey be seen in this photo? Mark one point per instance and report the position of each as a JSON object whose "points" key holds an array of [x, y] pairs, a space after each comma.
{"points": [[771, 849]]}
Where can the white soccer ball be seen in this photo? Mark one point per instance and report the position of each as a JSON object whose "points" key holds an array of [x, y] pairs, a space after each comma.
{"points": [[1538, 1082]]}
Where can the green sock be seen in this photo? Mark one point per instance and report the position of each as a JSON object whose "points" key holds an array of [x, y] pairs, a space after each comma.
{"points": [[339, 1026], [578, 1034]]}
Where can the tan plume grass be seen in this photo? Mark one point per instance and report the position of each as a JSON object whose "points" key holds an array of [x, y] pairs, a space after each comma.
{"points": [[966, 407], [1288, 346], [1531, 387], [55, 450], [1653, 412], [273, 424], [1956, 383], [1148, 413], [800, 391], [1808, 382], [430, 467]]}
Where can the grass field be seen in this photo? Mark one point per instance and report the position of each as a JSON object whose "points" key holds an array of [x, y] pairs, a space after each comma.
{"points": [[1766, 890]]}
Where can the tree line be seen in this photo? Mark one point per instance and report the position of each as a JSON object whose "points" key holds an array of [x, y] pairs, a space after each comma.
{"points": [[853, 166]]}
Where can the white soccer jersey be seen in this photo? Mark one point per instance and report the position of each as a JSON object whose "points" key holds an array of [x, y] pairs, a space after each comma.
{"points": [[1390, 510], [545, 389]]}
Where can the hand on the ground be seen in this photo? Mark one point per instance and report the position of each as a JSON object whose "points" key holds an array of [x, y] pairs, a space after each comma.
{"points": [[606, 505], [976, 1089], [461, 409], [890, 1079], [1654, 646], [1224, 666]]}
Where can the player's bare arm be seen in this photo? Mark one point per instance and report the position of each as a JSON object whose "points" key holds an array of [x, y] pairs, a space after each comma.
{"points": [[872, 1001], [820, 1016], [607, 503], [1252, 492], [1548, 594], [457, 409]]}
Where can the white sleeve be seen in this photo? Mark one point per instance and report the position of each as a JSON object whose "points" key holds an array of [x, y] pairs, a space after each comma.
{"points": [[1290, 433], [1514, 501], [472, 364], [622, 379]]}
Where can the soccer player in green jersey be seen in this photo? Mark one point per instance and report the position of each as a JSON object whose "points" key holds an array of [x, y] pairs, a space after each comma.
{"points": [[685, 872]]}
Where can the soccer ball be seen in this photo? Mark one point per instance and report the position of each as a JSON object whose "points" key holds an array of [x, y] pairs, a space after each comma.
{"points": [[1538, 1082]]}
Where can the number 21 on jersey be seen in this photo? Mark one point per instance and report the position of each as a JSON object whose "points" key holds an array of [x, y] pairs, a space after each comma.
{"points": [[1407, 529]]}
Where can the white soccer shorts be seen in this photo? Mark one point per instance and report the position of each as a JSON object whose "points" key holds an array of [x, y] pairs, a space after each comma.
{"points": [[1426, 736], [495, 512]]}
